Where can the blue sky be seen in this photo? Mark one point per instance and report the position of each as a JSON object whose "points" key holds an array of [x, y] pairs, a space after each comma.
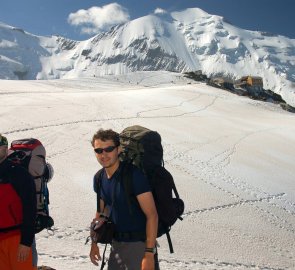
{"points": [[88, 17]]}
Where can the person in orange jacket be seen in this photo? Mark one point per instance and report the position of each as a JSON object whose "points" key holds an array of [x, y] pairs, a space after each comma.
{"points": [[17, 215]]}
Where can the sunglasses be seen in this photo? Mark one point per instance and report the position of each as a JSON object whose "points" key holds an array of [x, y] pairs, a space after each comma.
{"points": [[108, 149]]}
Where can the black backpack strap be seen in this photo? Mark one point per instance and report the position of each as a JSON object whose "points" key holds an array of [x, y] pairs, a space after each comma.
{"points": [[175, 190], [103, 262], [157, 266], [97, 178], [6, 169], [4, 230], [126, 175], [169, 242], [97, 202]]}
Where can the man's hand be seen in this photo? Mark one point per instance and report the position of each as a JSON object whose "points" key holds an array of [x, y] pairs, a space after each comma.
{"points": [[94, 254], [148, 261], [23, 253]]}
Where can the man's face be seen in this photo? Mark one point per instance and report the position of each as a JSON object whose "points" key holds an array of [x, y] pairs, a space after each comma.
{"points": [[108, 155]]}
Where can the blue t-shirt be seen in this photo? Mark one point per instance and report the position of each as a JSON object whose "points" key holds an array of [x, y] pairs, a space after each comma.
{"points": [[126, 221]]}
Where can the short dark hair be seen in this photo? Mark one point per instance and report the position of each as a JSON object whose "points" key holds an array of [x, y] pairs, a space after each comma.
{"points": [[106, 134]]}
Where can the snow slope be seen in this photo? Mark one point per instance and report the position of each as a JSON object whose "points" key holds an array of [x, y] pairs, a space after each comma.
{"points": [[188, 40], [232, 159]]}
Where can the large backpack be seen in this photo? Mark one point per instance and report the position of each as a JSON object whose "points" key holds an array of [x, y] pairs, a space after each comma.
{"points": [[31, 155], [142, 147]]}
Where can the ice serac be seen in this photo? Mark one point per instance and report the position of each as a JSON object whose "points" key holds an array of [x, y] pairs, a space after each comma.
{"points": [[179, 41]]}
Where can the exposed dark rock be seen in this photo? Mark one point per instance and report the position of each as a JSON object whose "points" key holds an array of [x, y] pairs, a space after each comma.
{"points": [[86, 52], [18, 29], [221, 83], [66, 44], [287, 107], [196, 75], [20, 74], [254, 92]]}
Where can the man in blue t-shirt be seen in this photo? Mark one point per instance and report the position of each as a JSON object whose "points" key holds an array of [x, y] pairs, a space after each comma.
{"points": [[133, 246]]}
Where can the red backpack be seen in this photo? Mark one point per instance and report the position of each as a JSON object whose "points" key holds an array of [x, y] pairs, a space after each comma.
{"points": [[31, 155]]}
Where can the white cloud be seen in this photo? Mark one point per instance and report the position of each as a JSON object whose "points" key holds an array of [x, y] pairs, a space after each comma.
{"points": [[160, 11], [98, 19]]}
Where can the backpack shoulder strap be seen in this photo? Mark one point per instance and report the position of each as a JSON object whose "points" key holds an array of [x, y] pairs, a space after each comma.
{"points": [[97, 182], [126, 172], [8, 169], [126, 177]]}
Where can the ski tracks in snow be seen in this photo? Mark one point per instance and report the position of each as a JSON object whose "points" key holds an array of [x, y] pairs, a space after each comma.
{"points": [[212, 173], [274, 209], [208, 265]]}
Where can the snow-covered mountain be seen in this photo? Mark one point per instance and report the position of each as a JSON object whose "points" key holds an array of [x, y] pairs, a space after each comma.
{"points": [[179, 41]]}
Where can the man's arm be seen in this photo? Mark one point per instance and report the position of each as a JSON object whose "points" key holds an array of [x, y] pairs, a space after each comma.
{"points": [[94, 251], [103, 210], [94, 254], [147, 204], [24, 185]]}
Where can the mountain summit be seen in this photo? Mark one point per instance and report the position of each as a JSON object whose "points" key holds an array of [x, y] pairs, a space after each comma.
{"points": [[179, 41]]}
